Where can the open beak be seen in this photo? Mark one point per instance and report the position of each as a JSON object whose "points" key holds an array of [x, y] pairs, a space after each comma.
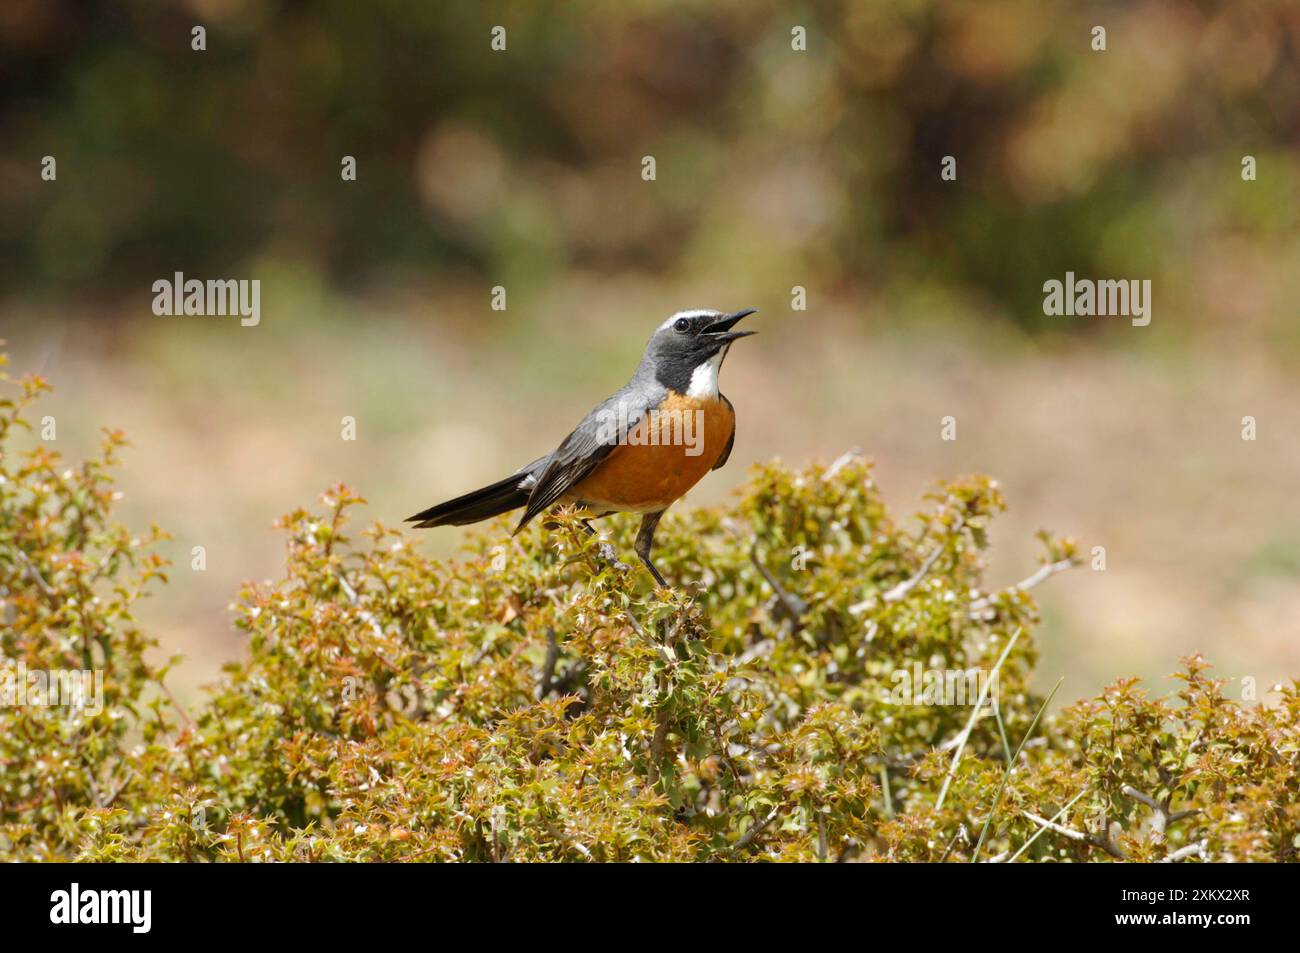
{"points": [[721, 328]]}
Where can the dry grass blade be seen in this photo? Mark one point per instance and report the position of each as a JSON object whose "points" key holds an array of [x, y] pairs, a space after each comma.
{"points": [[1006, 776]]}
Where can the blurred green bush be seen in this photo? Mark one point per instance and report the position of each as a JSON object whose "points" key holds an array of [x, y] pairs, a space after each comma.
{"points": [[818, 168], [531, 702]]}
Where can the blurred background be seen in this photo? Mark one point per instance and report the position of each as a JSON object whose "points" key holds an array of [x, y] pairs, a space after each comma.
{"points": [[775, 168]]}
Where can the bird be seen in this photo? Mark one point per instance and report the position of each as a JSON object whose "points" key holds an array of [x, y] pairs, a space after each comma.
{"points": [[638, 451]]}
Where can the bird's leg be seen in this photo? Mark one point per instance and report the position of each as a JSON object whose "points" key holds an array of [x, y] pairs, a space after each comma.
{"points": [[645, 539], [606, 550]]}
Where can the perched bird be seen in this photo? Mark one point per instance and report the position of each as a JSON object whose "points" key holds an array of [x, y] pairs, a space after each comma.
{"points": [[638, 451]]}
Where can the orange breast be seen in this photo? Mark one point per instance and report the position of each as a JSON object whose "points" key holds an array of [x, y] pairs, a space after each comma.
{"points": [[661, 458]]}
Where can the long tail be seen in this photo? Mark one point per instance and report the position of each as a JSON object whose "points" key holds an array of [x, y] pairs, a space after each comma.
{"points": [[481, 504]]}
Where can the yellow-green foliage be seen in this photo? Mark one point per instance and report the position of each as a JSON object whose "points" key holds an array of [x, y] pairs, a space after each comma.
{"points": [[529, 701]]}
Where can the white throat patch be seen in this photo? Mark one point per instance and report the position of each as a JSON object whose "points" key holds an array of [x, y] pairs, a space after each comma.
{"points": [[704, 379]]}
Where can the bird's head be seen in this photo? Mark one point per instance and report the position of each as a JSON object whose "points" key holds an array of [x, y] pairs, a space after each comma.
{"points": [[685, 352]]}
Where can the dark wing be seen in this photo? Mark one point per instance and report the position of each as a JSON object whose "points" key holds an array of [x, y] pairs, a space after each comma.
{"points": [[583, 450], [483, 503], [731, 441]]}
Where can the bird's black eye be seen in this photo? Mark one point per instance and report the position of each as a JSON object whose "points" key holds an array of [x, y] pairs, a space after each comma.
{"points": [[681, 325]]}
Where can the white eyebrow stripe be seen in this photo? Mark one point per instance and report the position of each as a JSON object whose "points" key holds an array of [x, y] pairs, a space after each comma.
{"points": [[697, 313]]}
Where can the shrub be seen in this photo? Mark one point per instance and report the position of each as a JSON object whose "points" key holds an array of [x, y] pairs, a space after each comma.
{"points": [[529, 701]]}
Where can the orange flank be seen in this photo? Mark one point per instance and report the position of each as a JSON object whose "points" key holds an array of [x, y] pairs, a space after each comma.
{"points": [[657, 464]]}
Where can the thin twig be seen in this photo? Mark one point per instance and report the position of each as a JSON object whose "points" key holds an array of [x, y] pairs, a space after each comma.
{"points": [[840, 463], [961, 832], [1044, 572], [36, 576], [747, 838], [903, 588], [895, 593], [1053, 826], [636, 626], [193, 725], [130, 775], [1198, 849], [1106, 841], [1043, 827], [795, 608]]}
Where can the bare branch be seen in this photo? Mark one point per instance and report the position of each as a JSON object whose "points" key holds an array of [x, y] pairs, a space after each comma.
{"points": [[112, 798], [193, 725], [794, 607], [1197, 849], [1106, 841], [1162, 815], [1039, 833], [636, 626], [747, 838], [1053, 826], [895, 593], [1044, 572], [35, 575], [903, 588], [840, 463], [1144, 798], [961, 833]]}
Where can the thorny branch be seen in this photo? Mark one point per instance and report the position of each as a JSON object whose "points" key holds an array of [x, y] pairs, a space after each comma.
{"points": [[1106, 839], [1163, 815]]}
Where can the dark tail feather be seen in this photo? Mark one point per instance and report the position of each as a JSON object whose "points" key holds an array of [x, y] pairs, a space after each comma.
{"points": [[492, 500]]}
